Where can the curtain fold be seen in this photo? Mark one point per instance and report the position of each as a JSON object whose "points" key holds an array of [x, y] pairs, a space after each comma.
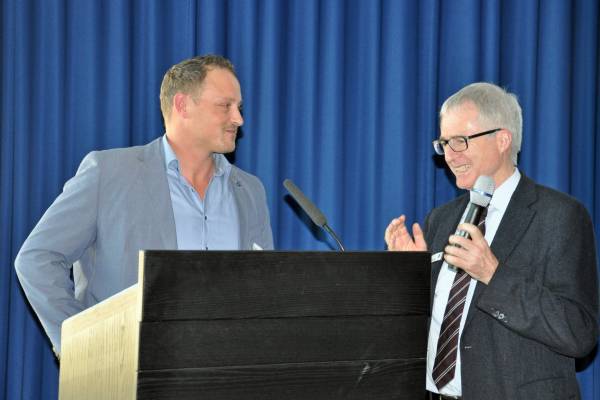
{"points": [[340, 96]]}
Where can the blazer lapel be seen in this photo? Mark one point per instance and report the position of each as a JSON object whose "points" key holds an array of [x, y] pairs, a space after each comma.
{"points": [[447, 228], [242, 200], [154, 178]]}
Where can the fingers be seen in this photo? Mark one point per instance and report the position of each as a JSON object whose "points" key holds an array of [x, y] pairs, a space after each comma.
{"points": [[472, 230], [419, 237], [472, 255], [393, 230], [453, 254], [398, 238], [462, 247], [457, 241]]}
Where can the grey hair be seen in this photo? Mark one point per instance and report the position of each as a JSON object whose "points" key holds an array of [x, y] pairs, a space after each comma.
{"points": [[187, 76], [496, 106]]}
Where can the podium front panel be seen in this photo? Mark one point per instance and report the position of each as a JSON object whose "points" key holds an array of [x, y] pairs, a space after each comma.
{"points": [[293, 325]]}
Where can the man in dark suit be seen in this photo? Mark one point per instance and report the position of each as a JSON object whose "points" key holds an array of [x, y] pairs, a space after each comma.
{"points": [[530, 299]]}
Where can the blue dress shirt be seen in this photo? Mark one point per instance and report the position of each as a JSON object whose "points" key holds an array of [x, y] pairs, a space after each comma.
{"points": [[211, 223]]}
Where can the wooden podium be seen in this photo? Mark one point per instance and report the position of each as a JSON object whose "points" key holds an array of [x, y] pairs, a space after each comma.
{"points": [[255, 325]]}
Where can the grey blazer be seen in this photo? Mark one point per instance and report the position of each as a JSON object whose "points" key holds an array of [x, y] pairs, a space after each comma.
{"points": [[117, 204], [539, 312]]}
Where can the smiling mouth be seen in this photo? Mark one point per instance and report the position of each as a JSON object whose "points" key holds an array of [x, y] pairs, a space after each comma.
{"points": [[461, 169]]}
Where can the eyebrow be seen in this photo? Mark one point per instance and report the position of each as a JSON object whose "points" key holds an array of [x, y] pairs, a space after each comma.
{"points": [[231, 99], [448, 138]]}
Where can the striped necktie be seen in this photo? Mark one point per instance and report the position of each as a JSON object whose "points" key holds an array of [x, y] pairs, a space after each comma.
{"points": [[447, 346]]}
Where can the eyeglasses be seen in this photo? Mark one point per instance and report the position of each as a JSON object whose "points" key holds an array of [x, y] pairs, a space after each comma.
{"points": [[459, 143]]}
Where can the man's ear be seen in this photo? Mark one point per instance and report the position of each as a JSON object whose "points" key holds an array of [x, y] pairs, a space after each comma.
{"points": [[504, 139], [180, 104]]}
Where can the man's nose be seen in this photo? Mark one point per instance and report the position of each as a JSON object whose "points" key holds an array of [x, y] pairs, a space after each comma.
{"points": [[449, 154], [237, 118]]}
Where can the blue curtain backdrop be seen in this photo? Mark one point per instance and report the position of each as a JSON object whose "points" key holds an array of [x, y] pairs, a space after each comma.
{"points": [[340, 96]]}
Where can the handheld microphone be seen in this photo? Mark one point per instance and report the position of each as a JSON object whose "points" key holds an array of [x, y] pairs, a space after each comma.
{"points": [[480, 198], [316, 216]]}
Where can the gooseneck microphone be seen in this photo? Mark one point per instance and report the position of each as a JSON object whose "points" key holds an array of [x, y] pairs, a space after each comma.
{"points": [[480, 198], [313, 212]]}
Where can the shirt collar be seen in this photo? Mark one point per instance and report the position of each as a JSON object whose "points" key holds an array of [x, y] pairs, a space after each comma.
{"points": [[504, 192], [170, 157], [222, 165]]}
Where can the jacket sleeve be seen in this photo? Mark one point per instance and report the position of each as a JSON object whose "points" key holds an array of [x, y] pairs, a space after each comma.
{"points": [[550, 296], [65, 231]]}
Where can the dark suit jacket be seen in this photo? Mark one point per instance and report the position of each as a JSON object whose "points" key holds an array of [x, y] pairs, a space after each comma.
{"points": [[540, 309]]}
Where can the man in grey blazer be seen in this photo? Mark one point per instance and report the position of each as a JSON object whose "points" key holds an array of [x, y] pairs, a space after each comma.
{"points": [[531, 298], [177, 192]]}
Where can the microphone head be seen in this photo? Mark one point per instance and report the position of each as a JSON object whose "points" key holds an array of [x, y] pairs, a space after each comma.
{"points": [[309, 208], [482, 191]]}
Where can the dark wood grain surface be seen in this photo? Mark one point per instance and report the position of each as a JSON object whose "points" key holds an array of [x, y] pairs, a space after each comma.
{"points": [[265, 284], [187, 344], [360, 380], [283, 325]]}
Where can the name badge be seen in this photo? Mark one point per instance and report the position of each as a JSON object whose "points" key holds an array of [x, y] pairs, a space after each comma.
{"points": [[437, 256]]}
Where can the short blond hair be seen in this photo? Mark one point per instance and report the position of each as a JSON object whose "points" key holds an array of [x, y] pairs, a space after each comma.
{"points": [[187, 76]]}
